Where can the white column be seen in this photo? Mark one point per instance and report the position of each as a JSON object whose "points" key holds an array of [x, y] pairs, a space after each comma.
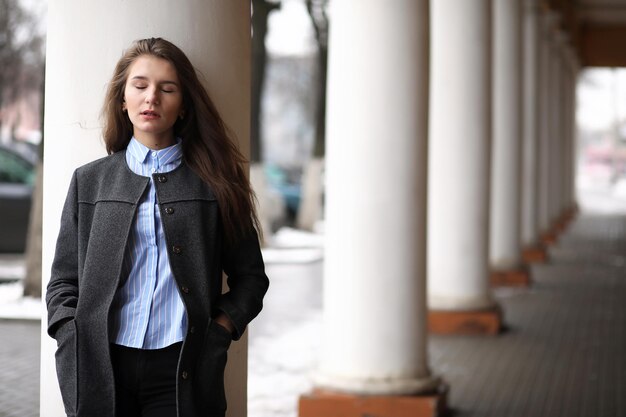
{"points": [[85, 40], [574, 129], [546, 24], [565, 130], [531, 128], [555, 109], [459, 155], [374, 339], [570, 120], [505, 241]]}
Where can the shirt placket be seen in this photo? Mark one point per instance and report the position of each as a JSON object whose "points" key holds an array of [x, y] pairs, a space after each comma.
{"points": [[154, 247]]}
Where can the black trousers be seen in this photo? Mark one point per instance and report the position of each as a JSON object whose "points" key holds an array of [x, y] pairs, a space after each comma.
{"points": [[145, 381]]}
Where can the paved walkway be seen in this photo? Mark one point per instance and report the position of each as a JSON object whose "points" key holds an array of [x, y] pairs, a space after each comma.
{"points": [[563, 353], [19, 368]]}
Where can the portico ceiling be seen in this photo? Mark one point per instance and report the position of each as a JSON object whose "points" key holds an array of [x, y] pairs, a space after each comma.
{"points": [[597, 29], [602, 12]]}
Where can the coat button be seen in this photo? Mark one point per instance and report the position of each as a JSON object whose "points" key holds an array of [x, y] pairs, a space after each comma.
{"points": [[169, 210], [185, 290], [192, 329], [162, 178], [185, 375], [177, 249]]}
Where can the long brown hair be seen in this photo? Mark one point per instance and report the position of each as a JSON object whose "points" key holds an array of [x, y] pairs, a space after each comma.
{"points": [[207, 146]]}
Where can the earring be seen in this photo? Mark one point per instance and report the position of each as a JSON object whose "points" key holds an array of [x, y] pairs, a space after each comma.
{"points": [[181, 116]]}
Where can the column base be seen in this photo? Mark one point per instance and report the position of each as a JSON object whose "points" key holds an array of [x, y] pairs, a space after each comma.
{"points": [[512, 278], [560, 225], [487, 321], [324, 403], [535, 254], [568, 216], [549, 238]]}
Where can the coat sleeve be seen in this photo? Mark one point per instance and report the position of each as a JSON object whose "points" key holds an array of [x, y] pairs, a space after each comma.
{"points": [[62, 290], [247, 282]]}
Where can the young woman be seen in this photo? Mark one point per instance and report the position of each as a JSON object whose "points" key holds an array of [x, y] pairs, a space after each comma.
{"points": [[135, 297]]}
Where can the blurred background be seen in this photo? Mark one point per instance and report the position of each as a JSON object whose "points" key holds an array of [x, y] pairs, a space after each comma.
{"points": [[290, 44]]}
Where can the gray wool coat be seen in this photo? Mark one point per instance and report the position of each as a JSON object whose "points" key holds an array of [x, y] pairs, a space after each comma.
{"points": [[86, 272]]}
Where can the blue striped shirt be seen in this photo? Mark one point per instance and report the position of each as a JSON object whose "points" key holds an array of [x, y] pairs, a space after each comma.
{"points": [[147, 311]]}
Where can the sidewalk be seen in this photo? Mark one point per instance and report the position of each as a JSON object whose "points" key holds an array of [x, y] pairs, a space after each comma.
{"points": [[19, 368], [20, 346], [564, 351]]}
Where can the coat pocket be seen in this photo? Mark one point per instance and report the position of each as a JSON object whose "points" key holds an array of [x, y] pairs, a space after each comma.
{"points": [[66, 366], [209, 375]]}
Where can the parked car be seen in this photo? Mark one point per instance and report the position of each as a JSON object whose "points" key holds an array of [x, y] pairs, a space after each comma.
{"points": [[17, 177]]}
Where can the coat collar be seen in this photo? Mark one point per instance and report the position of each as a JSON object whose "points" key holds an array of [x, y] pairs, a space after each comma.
{"points": [[110, 179]]}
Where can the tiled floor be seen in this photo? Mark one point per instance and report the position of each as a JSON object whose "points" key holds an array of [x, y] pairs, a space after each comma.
{"points": [[19, 368], [564, 353]]}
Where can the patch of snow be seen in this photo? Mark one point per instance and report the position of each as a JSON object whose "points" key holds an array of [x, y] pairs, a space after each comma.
{"points": [[287, 237], [281, 368], [291, 256], [12, 267], [13, 305], [619, 189]]}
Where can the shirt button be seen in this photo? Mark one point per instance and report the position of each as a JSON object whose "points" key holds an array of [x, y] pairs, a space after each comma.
{"points": [[169, 210], [177, 249], [154, 154], [185, 375], [185, 290], [162, 178], [154, 170]]}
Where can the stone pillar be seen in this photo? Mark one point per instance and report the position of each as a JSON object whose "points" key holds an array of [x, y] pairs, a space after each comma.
{"points": [[546, 141], [459, 294], [566, 134], [546, 23], [575, 69], [374, 356], [555, 109], [505, 251], [85, 40], [570, 128], [533, 251]]}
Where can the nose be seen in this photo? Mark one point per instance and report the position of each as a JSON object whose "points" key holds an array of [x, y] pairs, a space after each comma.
{"points": [[152, 96]]}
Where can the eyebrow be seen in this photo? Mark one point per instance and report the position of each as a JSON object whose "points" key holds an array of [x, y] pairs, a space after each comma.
{"points": [[142, 78]]}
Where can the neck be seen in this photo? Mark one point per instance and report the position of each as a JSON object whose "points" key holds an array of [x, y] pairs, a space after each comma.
{"points": [[156, 142]]}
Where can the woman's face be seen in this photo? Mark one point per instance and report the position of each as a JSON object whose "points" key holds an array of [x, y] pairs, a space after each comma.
{"points": [[153, 100]]}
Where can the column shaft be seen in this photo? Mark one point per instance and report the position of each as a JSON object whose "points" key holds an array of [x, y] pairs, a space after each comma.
{"points": [[531, 128], [569, 87], [374, 277], [85, 40], [565, 131], [505, 249], [459, 155], [574, 129], [555, 110], [544, 122]]}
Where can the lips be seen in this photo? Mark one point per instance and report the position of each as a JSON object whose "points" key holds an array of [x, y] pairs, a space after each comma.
{"points": [[150, 114]]}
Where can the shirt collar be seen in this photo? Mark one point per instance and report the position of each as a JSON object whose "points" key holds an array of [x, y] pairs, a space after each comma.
{"points": [[140, 152]]}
